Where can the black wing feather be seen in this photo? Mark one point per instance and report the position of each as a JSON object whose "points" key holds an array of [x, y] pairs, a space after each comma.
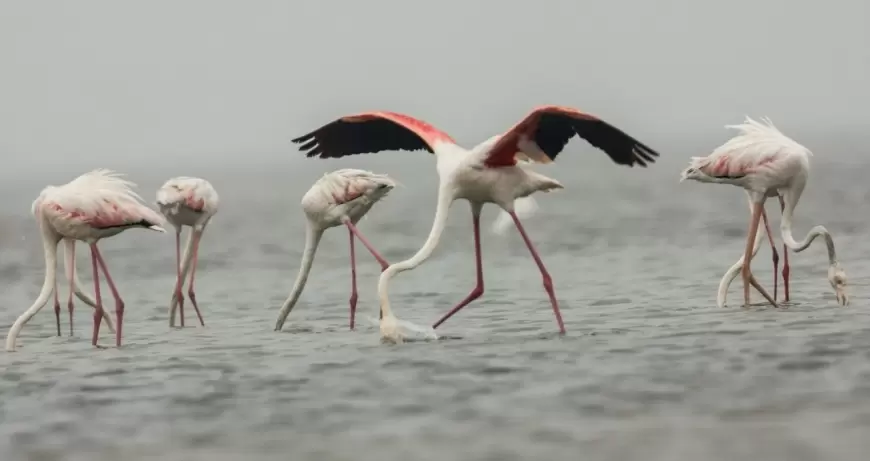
{"points": [[555, 130], [341, 138]]}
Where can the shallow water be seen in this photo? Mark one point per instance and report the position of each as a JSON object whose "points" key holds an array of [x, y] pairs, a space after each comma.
{"points": [[650, 368]]}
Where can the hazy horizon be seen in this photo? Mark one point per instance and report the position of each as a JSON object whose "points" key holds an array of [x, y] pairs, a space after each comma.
{"points": [[126, 85]]}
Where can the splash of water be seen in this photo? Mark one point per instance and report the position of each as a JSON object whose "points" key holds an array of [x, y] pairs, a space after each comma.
{"points": [[398, 331]]}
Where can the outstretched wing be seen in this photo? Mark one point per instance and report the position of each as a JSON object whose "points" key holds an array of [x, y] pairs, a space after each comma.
{"points": [[371, 132], [543, 134]]}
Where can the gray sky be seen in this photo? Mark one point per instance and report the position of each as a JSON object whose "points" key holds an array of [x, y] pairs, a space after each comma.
{"points": [[121, 83]]}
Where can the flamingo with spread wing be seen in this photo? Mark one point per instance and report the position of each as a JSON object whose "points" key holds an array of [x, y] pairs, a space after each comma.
{"points": [[488, 173]]}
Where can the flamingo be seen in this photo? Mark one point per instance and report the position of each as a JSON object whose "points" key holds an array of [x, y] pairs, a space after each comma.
{"points": [[766, 163], [488, 173], [187, 201], [341, 197], [95, 205]]}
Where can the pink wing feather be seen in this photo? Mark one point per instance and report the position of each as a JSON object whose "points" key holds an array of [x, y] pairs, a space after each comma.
{"points": [[99, 199]]}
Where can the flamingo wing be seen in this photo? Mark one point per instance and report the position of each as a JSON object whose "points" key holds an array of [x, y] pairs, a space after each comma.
{"points": [[371, 132], [542, 135]]}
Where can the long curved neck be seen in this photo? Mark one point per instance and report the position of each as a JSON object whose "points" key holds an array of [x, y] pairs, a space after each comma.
{"points": [[312, 239], [187, 256], [790, 198], [186, 259], [50, 240], [445, 198]]}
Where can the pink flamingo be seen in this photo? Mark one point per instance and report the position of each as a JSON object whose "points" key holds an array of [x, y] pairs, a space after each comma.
{"points": [[96, 205], [488, 173], [766, 163], [339, 198], [187, 201]]}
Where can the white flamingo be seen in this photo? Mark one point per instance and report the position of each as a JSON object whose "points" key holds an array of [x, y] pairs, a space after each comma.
{"points": [[766, 163], [488, 173], [96, 205], [339, 198], [187, 201]]}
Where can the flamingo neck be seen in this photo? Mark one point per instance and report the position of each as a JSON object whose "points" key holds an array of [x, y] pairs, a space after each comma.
{"points": [[445, 198], [313, 233], [791, 198], [50, 239]]}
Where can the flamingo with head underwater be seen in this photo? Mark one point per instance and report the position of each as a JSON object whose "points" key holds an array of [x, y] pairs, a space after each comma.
{"points": [[766, 163], [91, 207], [488, 173], [192, 202], [339, 198]]}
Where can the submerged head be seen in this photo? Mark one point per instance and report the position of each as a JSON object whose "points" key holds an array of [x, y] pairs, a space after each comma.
{"points": [[837, 278]]}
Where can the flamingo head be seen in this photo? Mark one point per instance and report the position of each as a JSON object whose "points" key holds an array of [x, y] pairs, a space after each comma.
{"points": [[837, 278], [694, 171]]}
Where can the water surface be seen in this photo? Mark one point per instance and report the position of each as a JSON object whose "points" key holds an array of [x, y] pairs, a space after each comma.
{"points": [[650, 368]]}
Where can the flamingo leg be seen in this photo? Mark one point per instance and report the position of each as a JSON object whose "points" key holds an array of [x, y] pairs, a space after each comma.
{"points": [[178, 280], [190, 293], [785, 268], [748, 278], [548, 281], [57, 309], [119, 303], [773, 251], [478, 289], [353, 293], [383, 262], [70, 278], [98, 300]]}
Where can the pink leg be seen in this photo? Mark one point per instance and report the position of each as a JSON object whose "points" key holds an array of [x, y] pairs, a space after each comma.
{"points": [[381, 260], [98, 312], [57, 309], [353, 293], [548, 281], [119, 304], [190, 292], [478, 289], [785, 269], [69, 301], [773, 251], [178, 280]]}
